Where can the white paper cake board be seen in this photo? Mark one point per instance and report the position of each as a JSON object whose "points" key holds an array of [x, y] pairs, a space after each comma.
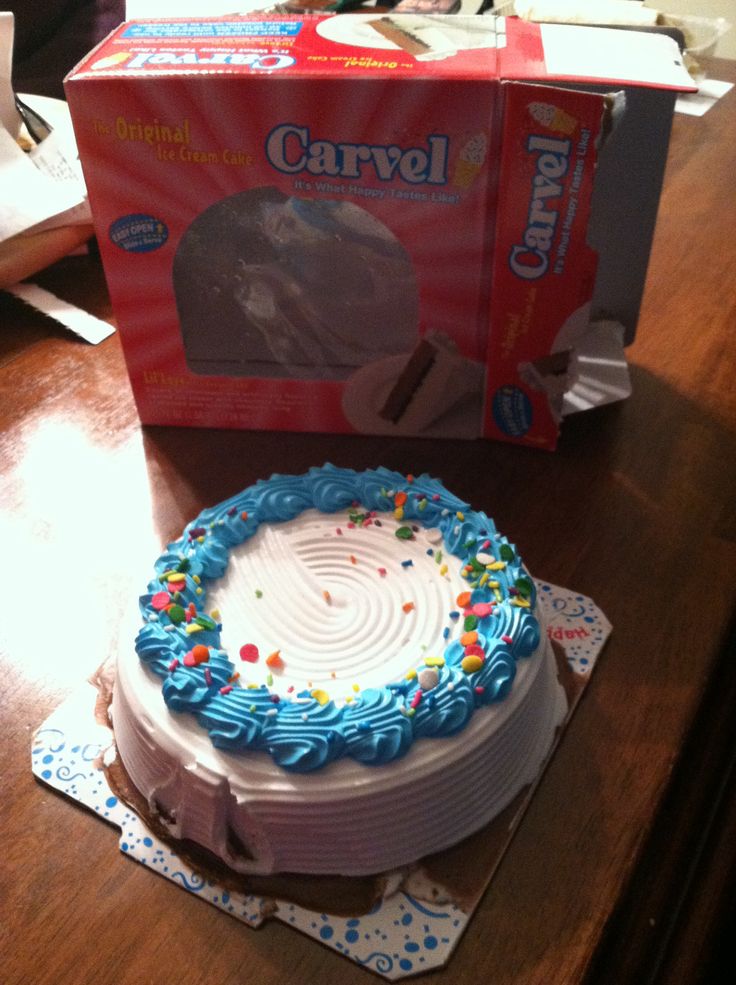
{"points": [[402, 936]]}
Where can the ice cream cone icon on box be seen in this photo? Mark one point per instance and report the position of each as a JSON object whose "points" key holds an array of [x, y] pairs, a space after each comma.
{"points": [[553, 118], [117, 58], [469, 161]]}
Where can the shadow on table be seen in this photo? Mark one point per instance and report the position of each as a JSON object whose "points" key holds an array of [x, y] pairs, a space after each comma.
{"points": [[646, 453]]}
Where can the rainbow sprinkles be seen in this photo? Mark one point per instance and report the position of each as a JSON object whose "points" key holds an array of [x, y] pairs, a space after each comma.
{"points": [[383, 611]]}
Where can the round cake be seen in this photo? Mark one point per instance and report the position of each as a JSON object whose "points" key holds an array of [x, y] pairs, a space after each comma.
{"points": [[337, 673]]}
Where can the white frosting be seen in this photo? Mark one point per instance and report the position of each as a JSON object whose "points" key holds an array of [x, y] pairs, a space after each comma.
{"points": [[360, 633]]}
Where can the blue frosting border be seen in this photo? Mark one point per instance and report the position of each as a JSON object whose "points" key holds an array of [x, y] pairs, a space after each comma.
{"points": [[382, 723]]}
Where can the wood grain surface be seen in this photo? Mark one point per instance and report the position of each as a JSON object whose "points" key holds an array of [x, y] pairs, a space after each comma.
{"points": [[636, 509]]}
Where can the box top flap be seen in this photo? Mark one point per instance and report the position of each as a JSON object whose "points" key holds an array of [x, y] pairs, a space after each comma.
{"points": [[381, 45], [388, 45], [592, 55]]}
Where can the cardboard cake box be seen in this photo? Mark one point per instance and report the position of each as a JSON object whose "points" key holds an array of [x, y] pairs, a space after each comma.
{"points": [[384, 224]]}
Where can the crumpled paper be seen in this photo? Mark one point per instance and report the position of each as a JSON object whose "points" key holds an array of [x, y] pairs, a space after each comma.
{"points": [[41, 185], [44, 211]]}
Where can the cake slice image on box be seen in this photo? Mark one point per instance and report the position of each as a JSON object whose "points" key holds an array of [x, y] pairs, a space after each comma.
{"points": [[270, 285], [431, 37], [585, 368], [434, 391], [551, 374], [425, 35]]}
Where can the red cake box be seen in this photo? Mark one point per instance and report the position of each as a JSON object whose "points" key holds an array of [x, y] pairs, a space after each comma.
{"points": [[352, 223]]}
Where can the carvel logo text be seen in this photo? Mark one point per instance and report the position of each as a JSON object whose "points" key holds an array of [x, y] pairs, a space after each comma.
{"points": [[290, 149], [257, 60], [530, 258]]}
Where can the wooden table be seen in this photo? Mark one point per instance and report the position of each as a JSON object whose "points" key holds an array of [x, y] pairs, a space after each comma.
{"points": [[621, 866]]}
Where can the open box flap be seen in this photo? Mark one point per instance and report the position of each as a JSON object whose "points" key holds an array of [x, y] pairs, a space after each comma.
{"points": [[592, 55], [339, 45]]}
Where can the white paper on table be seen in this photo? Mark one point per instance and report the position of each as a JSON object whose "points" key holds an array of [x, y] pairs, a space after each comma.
{"points": [[573, 51], [42, 188], [57, 160], [86, 326], [698, 103], [27, 196], [9, 118]]}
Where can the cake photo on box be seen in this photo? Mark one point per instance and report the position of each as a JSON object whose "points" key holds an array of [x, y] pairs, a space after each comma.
{"points": [[270, 285], [424, 35], [429, 37], [335, 674], [434, 390]]}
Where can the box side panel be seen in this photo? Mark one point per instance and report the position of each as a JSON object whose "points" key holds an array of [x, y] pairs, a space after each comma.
{"points": [[543, 270], [591, 55]]}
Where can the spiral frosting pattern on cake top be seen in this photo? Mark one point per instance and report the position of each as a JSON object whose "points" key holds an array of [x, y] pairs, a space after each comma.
{"points": [[337, 614]]}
